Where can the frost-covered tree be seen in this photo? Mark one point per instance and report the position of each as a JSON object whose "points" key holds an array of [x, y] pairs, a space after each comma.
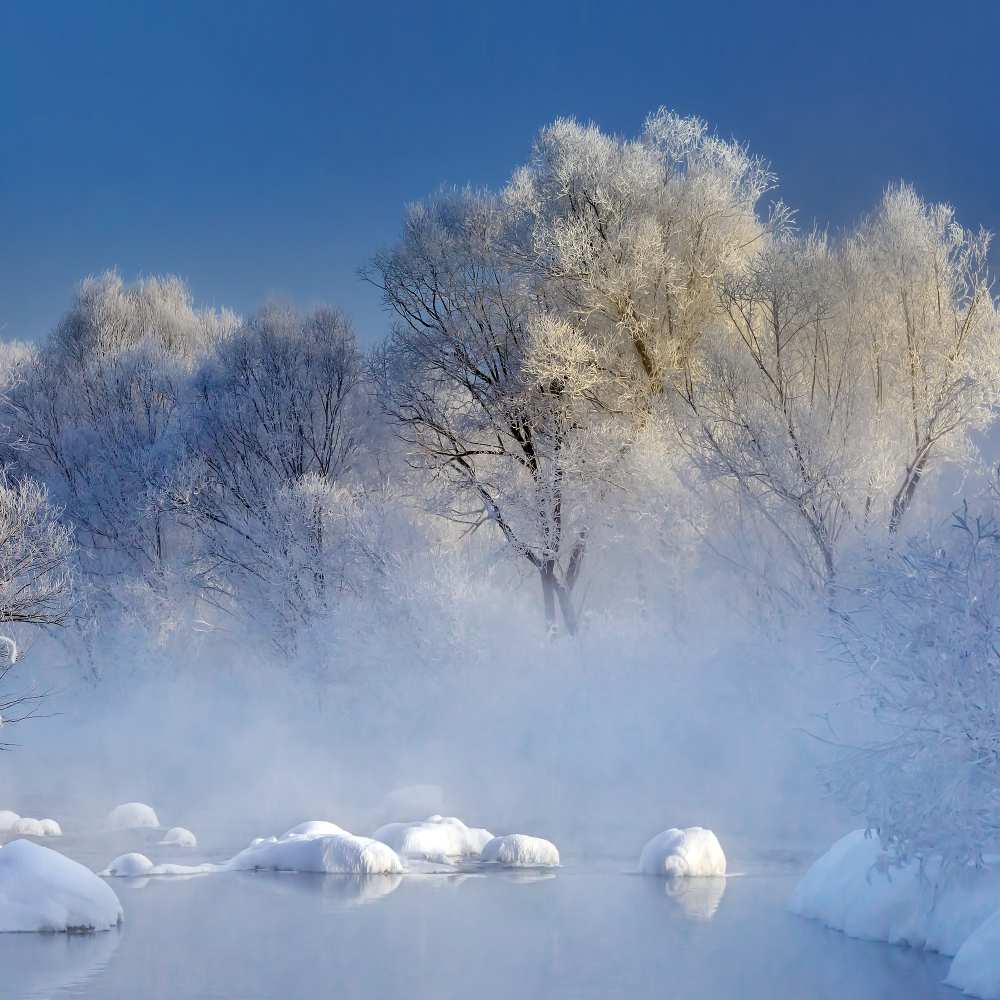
{"points": [[273, 420], [460, 381], [922, 634], [842, 374], [94, 415], [628, 239], [36, 549], [36, 577], [923, 286]]}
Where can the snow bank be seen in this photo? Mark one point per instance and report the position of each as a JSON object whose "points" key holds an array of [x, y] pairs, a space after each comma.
{"points": [[178, 836], [337, 854], [518, 850], [133, 816], [976, 968], [690, 852], [7, 820], [437, 838], [853, 888], [42, 890]]}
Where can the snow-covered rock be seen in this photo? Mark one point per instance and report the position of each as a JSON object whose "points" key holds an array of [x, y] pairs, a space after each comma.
{"points": [[133, 816], [314, 828], [129, 866], [853, 888], [7, 820], [518, 850], [178, 836], [690, 852], [24, 826], [42, 890], [339, 854], [437, 838]]}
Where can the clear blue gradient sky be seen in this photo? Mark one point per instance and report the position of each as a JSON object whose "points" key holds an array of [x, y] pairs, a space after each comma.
{"points": [[265, 150]]}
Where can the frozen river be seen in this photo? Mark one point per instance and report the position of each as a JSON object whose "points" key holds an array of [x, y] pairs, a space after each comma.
{"points": [[590, 930]]}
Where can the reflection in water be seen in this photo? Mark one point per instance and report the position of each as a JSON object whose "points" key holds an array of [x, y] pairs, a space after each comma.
{"points": [[523, 876], [337, 891], [696, 898], [40, 965]]}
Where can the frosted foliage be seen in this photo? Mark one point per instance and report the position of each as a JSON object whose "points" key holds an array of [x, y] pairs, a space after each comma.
{"points": [[922, 638]]}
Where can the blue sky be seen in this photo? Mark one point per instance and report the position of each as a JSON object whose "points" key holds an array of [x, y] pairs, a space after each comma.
{"points": [[265, 150]]}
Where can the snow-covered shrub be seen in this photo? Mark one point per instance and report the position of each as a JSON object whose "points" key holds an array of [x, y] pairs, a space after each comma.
{"points": [[691, 852], [133, 816], [437, 838], [179, 836], [518, 850], [922, 632]]}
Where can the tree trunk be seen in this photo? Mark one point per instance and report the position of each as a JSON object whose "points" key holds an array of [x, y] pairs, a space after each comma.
{"points": [[547, 573]]}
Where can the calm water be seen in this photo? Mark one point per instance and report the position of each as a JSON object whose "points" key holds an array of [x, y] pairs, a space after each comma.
{"points": [[588, 931]]}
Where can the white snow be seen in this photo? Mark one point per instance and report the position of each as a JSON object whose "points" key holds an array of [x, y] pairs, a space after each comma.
{"points": [[314, 828], [42, 890], [976, 967], [178, 836], [518, 850], [340, 854], [691, 852], [132, 816], [852, 888], [437, 838], [24, 826], [129, 866], [7, 820]]}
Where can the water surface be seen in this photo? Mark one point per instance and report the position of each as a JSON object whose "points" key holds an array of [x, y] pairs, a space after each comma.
{"points": [[589, 931]]}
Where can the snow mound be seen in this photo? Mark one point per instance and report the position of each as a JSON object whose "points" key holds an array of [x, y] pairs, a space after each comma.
{"points": [[337, 854], [437, 838], [129, 866], [133, 816], [518, 850], [691, 852], [854, 889], [976, 968], [42, 890], [7, 820], [314, 828], [24, 826], [178, 836]]}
